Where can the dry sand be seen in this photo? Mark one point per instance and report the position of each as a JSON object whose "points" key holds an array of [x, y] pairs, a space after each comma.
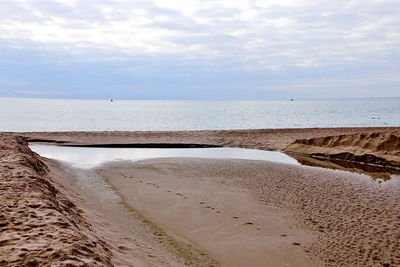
{"points": [[39, 224], [266, 139], [335, 218], [376, 147]]}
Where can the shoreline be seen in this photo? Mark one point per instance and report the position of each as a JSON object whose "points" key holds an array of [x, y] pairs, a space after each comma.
{"points": [[210, 210], [265, 139], [352, 217], [132, 238]]}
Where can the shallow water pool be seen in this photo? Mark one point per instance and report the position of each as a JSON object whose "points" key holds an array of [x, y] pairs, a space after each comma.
{"points": [[89, 157]]}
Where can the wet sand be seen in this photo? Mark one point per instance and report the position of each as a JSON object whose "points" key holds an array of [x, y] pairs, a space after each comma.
{"points": [[132, 239], [54, 215], [285, 213], [207, 209], [306, 216]]}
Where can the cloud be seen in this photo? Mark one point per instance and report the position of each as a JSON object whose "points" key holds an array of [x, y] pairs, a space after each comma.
{"points": [[291, 33], [290, 44]]}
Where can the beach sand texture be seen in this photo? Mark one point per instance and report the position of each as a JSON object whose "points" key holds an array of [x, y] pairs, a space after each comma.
{"points": [[267, 139], [209, 209], [40, 226], [352, 219], [311, 216], [376, 147], [48, 219]]}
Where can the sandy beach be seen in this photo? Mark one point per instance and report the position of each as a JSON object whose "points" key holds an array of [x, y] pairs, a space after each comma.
{"points": [[266, 139], [201, 212]]}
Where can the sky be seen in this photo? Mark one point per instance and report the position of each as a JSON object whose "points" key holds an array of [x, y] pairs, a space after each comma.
{"points": [[199, 49]]}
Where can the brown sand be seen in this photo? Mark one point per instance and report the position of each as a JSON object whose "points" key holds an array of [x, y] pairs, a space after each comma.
{"points": [[354, 219], [46, 218], [39, 224], [377, 147], [206, 208], [267, 139], [374, 171]]}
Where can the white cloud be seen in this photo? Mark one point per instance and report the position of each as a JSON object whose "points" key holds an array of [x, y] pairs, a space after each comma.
{"points": [[269, 34]]}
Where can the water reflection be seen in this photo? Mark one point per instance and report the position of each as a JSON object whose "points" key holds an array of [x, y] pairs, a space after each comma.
{"points": [[89, 157], [375, 171]]}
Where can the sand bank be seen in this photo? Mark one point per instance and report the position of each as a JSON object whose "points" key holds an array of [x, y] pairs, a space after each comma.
{"points": [[336, 218], [206, 208], [267, 139], [380, 148], [39, 223], [48, 217], [333, 218]]}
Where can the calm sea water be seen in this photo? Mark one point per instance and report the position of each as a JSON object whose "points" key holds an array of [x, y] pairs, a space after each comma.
{"points": [[20, 114]]}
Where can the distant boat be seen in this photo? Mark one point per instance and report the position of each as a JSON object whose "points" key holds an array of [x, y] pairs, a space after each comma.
{"points": [[291, 99], [111, 100]]}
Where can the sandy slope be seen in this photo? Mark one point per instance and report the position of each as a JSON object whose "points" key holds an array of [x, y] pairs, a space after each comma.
{"points": [[39, 225], [373, 147], [48, 218]]}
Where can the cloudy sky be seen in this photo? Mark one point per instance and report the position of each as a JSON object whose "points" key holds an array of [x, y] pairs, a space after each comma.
{"points": [[199, 49]]}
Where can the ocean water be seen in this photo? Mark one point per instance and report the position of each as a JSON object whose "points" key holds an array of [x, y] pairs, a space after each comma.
{"points": [[23, 114]]}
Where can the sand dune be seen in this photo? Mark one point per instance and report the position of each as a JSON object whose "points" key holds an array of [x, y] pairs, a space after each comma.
{"points": [[381, 148]]}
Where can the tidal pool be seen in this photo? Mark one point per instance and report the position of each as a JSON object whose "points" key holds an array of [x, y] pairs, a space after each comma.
{"points": [[89, 157]]}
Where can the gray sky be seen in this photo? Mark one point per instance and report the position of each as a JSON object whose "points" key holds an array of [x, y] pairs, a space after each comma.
{"points": [[199, 49]]}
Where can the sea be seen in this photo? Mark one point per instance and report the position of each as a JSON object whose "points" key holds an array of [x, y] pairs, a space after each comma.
{"points": [[34, 114]]}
